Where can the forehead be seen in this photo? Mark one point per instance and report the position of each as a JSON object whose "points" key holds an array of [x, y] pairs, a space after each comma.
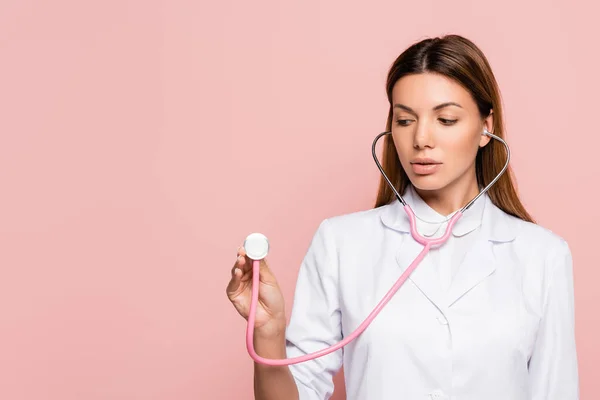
{"points": [[425, 91]]}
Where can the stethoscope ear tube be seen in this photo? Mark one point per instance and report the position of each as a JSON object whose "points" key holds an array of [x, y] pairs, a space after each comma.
{"points": [[470, 203]]}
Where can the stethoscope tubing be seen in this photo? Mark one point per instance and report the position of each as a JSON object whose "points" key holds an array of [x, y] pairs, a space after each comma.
{"points": [[427, 243]]}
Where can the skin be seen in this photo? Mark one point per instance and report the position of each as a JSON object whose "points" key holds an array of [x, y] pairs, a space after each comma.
{"points": [[450, 135]]}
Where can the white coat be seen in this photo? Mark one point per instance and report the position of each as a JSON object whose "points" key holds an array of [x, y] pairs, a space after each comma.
{"points": [[504, 330]]}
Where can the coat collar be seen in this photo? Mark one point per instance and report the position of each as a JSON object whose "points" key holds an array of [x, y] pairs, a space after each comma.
{"points": [[479, 263], [496, 225]]}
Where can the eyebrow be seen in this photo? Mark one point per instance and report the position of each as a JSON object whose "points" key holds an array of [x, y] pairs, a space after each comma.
{"points": [[439, 106]]}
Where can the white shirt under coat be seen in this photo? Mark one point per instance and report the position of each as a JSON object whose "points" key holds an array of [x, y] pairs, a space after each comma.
{"points": [[489, 315]]}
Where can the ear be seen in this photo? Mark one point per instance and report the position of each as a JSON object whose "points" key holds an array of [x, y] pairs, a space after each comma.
{"points": [[488, 123]]}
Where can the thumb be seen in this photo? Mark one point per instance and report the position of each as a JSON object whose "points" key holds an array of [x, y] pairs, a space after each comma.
{"points": [[266, 275]]}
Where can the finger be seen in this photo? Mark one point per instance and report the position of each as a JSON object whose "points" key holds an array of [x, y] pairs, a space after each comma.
{"points": [[245, 262], [238, 264], [247, 267], [237, 271], [265, 274], [234, 283]]}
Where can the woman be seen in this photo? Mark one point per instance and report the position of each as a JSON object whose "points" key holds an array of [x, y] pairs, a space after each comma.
{"points": [[488, 315]]}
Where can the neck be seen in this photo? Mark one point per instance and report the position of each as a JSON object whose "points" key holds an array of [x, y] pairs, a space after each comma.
{"points": [[450, 198]]}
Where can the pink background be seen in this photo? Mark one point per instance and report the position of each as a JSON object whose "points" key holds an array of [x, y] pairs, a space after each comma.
{"points": [[141, 141]]}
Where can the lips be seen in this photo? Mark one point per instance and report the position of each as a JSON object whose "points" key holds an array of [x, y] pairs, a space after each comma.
{"points": [[425, 161], [425, 166]]}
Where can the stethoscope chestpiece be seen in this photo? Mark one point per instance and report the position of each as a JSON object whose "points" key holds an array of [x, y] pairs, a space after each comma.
{"points": [[256, 246]]}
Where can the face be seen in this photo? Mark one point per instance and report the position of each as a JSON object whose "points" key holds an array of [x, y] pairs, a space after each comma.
{"points": [[437, 142]]}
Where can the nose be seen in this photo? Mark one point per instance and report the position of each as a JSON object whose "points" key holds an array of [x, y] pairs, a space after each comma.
{"points": [[423, 137]]}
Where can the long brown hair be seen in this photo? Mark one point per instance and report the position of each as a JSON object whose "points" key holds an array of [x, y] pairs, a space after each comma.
{"points": [[461, 60]]}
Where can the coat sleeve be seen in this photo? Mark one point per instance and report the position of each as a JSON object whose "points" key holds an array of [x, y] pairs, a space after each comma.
{"points": [[315, 321], [553, 366]]}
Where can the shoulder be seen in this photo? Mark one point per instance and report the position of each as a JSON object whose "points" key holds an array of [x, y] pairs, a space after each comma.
{"points": [[354, 225], [538, 238], [341, 233], [357, 219], [540, 257], [535, 248]]}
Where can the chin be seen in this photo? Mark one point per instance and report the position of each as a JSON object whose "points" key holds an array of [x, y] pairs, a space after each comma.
{"points": [[428, 182]]}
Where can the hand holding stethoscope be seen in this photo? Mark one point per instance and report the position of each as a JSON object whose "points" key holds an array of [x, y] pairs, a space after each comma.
{"points": [[270, 320]]}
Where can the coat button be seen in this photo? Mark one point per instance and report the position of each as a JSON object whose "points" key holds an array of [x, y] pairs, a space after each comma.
{"points": [[438, 395]]}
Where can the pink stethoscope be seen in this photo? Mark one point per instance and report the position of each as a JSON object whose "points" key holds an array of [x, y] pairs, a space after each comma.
{"points": [[257, 247]]}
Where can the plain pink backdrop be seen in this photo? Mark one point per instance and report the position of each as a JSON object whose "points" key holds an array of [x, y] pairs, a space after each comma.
{"points": [[141, 141]]}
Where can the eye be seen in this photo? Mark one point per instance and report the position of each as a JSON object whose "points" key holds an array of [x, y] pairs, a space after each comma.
{"points": [[448, 121], [402, 122]]}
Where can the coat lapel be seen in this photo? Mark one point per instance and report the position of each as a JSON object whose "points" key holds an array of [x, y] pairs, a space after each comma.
{"points": [[478, 263], [425, 276]]}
